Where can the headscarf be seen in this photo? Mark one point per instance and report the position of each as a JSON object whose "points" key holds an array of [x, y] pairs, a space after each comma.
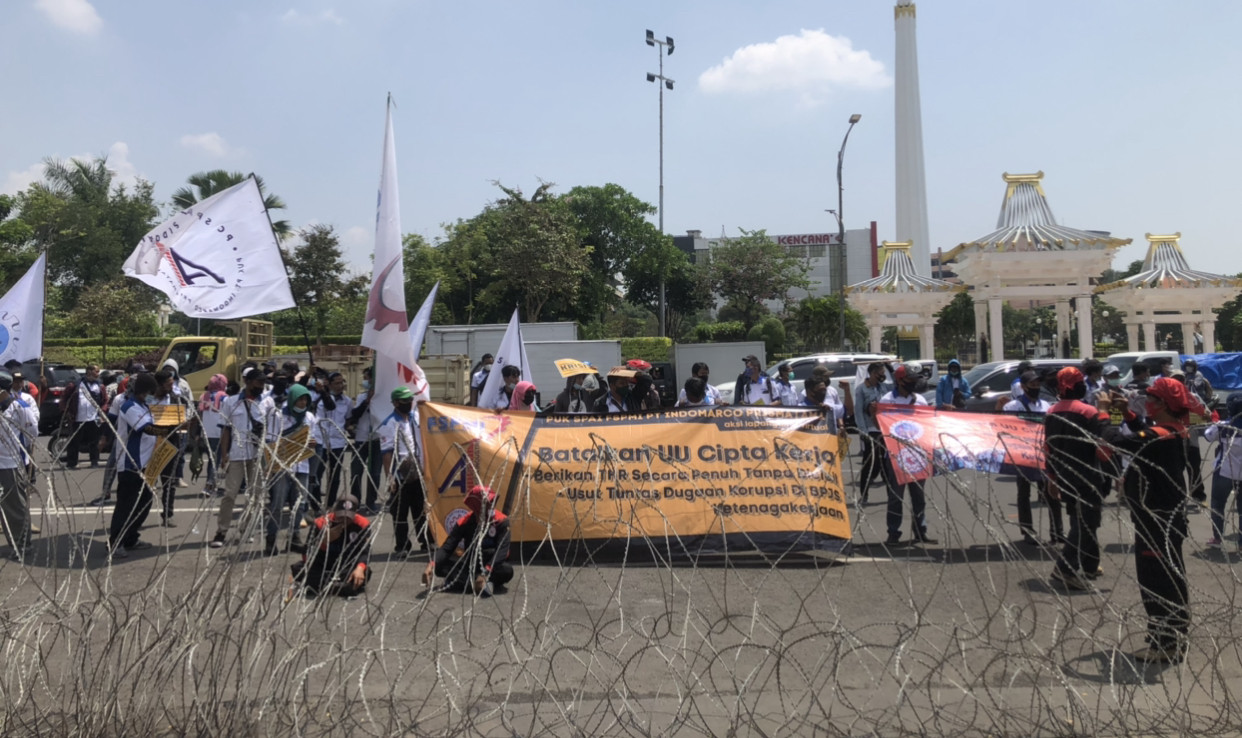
{"points": [[515, 402], [296, 392], [214, 394], [1176, 398]]}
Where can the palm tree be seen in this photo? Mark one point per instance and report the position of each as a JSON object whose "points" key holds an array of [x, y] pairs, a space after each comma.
{"points": [[205, 184], [87, 181]]}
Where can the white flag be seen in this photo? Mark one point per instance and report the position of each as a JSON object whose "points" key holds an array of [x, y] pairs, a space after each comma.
{"points": [[21, 315], [217, 258], [512, 352], [422, 320], [386, 326]]}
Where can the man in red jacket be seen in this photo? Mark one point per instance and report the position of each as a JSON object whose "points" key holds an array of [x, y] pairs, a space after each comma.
{"points": [[482, 535]]}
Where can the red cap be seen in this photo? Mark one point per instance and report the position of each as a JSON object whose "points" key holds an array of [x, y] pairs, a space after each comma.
{"points": [[638, 365], [1174, 395], [1069, 378], [477, 497]]}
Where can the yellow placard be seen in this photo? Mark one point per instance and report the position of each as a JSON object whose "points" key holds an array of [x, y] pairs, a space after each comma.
{"points": [[572, 367], [291, 449], [700, 477], [163, 454], [167, 415]]}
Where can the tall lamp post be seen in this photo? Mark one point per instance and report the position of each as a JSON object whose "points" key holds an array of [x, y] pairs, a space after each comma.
{"points": [[840, 213], [661, 46]]}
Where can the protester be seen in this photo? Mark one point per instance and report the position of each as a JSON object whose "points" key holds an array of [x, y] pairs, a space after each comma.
{"points": [[1201, 388], [1156, 492], [694, 394], [815, 394], [1227, 476], [643, 385], [123, 394], [137, 435], [164, 394], [1093, 376], [290, 486], [701, 371], [754, 387], [338, 560], [330, 434], [904, 393], [784, 386], [1078, 475], [1136, 390], [365, 464], [82, 407], [510, 375], [19, 423], [952, 391], [524, 396], [875, 456], [1031, 406], [209, 421], [248, 422], [478, 377], [482, 535], [182, 395], [579, 396], [402, 459]]}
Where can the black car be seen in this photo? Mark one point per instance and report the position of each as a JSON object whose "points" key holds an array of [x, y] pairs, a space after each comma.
{"points": [[52, 386]]}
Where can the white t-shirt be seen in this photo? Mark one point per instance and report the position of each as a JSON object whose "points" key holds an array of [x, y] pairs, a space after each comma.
{"points": [[399, 436], [364, 432], [764, 392], [238, 416], [133, 419], [89, 395], [892, 398], [1030, 406], [20, 421], [330, 429]]}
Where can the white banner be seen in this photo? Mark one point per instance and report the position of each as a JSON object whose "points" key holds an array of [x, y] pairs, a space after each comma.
{"points": [[422, 319], [21, 315], [386, 326], [512, 352], [217, 258]]}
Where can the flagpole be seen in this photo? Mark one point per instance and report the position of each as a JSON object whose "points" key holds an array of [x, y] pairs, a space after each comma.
{"points": [[279, 249]]}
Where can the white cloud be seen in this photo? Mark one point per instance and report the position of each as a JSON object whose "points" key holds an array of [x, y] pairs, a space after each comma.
{"points": [[123, 170], [210, 143], [812, 64], [78, 16], [306, 19]]}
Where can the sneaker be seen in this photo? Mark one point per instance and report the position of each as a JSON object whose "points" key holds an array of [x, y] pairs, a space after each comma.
{"points": [[182, 483], [893, 539], [218, 541], [1099, 572], [270, 548], [1069, 581], [922, 537], [167, 523], [1214, 542], [1161, 655], [120, 552], [1030, 540], [141, 546], [100, 501], [499, 589]]}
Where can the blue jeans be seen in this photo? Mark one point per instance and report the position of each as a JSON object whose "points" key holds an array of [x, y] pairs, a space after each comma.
{"points": [[286, 487], [1221, 487]]}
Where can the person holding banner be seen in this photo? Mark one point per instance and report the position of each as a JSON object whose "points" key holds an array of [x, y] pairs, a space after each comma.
{"points": [[18, 424], [402, 459], [815, 394], [754, 387], [579, 396], [906, 382], [247, 421], [136, 434], [165, 394], [866, 399], [1077, 468], [476, 550], [1034, 408]]}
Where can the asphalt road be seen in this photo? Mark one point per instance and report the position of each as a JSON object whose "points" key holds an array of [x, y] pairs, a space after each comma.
{"points": [[963, 637]]}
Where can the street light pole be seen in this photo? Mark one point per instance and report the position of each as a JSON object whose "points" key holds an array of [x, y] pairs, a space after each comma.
{"points": [[841, 256], [660, 46]]}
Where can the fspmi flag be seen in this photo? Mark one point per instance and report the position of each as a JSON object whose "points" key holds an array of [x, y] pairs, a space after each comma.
{"points": [[217, 258], [21, 316]]}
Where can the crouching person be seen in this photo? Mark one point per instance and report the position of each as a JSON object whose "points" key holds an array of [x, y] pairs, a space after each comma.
{"points": [[337, 561], [482, 535]]}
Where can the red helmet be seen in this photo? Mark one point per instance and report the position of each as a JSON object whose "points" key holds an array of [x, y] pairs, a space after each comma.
{"points": [[1068, 378], [638, 365], [478, 498]]}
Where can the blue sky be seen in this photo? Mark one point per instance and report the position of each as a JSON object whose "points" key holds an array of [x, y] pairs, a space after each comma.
{"points": [[1130, 108]]}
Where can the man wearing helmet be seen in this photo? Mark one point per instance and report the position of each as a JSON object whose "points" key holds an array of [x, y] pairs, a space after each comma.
{"points": [[906, 381], [402, 458], [476, 550], [1156, 492]]}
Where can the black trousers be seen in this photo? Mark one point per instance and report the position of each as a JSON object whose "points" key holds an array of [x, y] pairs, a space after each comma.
{"points": [[364, 469], [85, 435], [1082, 546], [1025, 519], [409, 503], [133, 504], [316, 580], [1161, 572], [875, 461], [330, 473], [459, 571]]}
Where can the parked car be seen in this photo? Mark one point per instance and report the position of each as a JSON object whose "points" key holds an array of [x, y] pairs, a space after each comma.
{"points": [[991, 381], [664, 379], [52, 383], [1126, 360], [844, 367]]}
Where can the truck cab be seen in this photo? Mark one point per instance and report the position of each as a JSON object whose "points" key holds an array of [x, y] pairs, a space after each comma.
{"points": [[200, 357]]}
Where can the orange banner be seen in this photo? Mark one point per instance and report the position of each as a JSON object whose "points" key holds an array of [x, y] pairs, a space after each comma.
{"points": [[921, 440], [695, 479]]}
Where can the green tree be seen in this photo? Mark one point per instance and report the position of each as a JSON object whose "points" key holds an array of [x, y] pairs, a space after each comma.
{"points": [[1112, 275], [686, 289], [955, 323], [424, 265], [203, 185], [817, 322], [87, 225], [1229, 325], [752, 268], [114, 308], [315, 270]]}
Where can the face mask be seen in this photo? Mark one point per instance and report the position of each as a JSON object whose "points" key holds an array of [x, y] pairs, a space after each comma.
{"points": [[1114, 382], [366, 384], [954, 371], [404, 407], [510, 387], [299, 411], [529, 397], [578, 387]]}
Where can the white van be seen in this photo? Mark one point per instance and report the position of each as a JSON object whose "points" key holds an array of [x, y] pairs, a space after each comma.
{"points": [[1125, 362]]}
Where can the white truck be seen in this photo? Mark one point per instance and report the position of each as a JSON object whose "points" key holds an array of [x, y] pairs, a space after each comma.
{"points": [[476, 340], [723, 359], [604, 355]]}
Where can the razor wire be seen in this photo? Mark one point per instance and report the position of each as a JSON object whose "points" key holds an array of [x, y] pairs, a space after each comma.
{"points": [[966, 636]]}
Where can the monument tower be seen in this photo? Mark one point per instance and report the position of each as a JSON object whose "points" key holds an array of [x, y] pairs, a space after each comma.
{"points": [[911, 182]]}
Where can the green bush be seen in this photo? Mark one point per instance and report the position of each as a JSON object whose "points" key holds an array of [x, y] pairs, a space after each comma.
{"points": [[648, 348], [733, 330], [119, 341], [772, 332]]}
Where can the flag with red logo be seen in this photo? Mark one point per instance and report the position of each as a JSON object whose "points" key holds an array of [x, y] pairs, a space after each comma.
{"points": [[217, 258], [386, 328]]}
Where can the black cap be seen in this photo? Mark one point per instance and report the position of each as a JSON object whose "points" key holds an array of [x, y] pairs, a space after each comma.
{"points": [[750, 358], [346, 506]]}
